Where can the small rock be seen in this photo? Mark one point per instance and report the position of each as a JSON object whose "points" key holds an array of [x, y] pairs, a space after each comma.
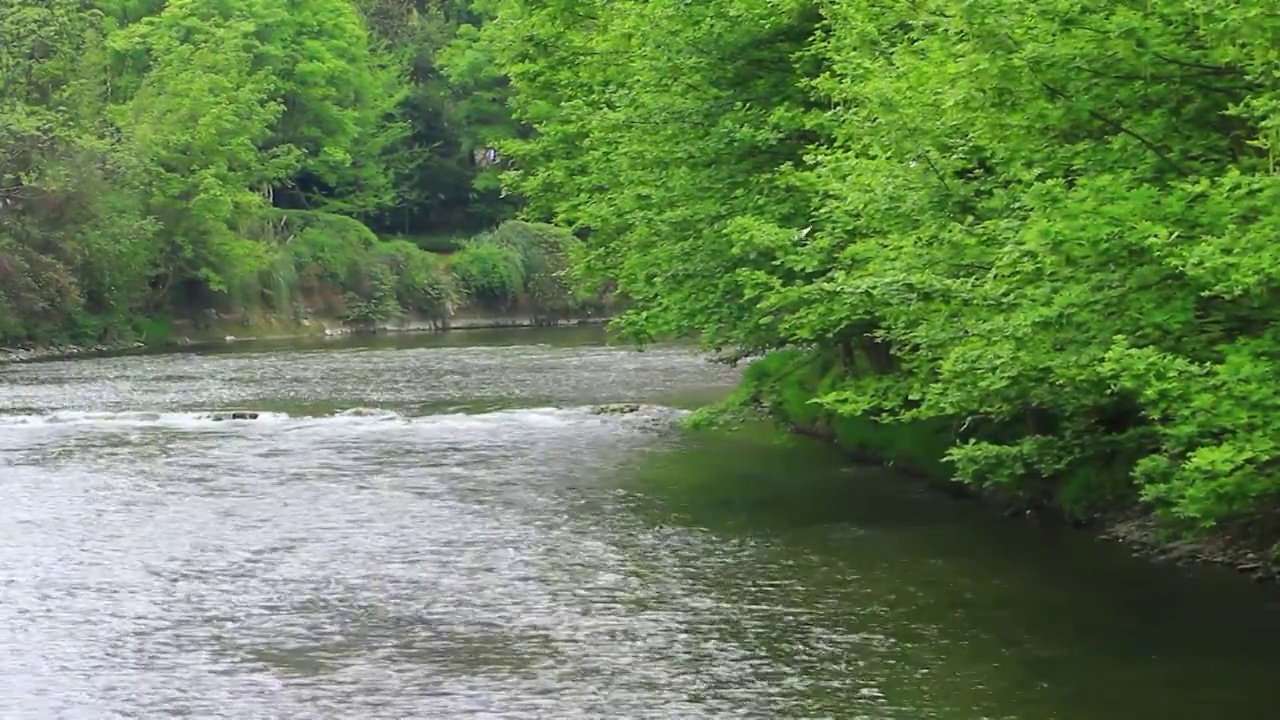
{"points": [[236, 415], [1178, 552], [616, 409]]}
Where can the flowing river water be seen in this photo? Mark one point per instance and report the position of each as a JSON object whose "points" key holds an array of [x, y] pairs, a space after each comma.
{"points": [[476, 543]]}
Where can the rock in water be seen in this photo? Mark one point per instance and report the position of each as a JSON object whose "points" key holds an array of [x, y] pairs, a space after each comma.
{"points": [[236, 415], [616, 409]]}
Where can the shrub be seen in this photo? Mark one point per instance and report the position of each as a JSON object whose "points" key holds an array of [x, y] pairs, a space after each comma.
{"points": [[422, 284], [335, 245], [545, 253], [491, 274]]}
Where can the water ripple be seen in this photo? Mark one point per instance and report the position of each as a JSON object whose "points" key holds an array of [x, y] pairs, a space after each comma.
{"points": [[451, 532]]}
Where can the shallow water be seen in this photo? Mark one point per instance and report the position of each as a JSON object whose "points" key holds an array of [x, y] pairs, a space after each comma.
{"points": [[476, 543]]}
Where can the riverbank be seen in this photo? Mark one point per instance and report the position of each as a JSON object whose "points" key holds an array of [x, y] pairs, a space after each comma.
{"points": [[34, 353], [186, 335], [785, 392], [335, 277]]}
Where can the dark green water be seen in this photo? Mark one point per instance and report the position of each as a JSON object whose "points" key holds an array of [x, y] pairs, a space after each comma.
{"points": [[480, 545]]}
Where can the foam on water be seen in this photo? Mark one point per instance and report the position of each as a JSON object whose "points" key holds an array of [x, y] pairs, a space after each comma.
{"points": [[133, 420]]}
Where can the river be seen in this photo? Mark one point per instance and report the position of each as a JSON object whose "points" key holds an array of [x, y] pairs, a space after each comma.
{"points": [[480, 545]]}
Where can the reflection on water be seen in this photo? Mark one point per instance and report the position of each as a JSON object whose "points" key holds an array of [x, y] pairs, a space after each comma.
{"points": [[482, 545]]}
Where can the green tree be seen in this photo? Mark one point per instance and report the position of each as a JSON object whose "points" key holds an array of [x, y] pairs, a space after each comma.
{"points": [[75, 248], [1046, 224], [242, 104], [454, 109]]}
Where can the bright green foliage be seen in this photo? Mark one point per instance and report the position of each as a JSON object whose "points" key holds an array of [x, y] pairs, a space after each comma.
{"points": [[304, 72], [665, 129], [1047, 225], [239, 98]]}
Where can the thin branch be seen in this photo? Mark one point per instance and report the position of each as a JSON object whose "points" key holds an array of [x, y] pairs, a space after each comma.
{"points": [[1161, 77], [1115, 125], [1210, 69]]}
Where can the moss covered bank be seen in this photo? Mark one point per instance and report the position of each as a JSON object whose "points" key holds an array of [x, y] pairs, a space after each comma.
{"points": [[790, 386]]}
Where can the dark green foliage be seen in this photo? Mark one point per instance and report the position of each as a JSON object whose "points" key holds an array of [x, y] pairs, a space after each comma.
{"points": [[374, 298], [447, 118], [165, 157], [76, 250], [545, 252], [422, 283], [327, 247], [445, 243]]}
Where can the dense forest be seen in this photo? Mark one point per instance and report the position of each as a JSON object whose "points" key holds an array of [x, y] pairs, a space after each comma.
{"points": [[1033, 240], [161, 159], [1028, 244]]}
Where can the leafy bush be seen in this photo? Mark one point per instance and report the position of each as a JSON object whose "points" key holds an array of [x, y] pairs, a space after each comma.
{"points": [[545, 254], [377, 279], [422, 284], [336, 245], [373, 298], [491, 274]]}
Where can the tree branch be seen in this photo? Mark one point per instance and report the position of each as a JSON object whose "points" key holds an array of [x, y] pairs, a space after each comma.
{"points": [[1115, 125]]}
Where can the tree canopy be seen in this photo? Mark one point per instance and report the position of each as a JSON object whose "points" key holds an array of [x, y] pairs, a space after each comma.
{"points": [[1048, 223], [151, 151]]}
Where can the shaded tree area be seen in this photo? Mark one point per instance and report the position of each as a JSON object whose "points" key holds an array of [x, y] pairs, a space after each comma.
{"points": [[161, 157]]}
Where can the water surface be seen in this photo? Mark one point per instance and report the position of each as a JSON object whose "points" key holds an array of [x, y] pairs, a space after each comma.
{"points": [[439, 527]]}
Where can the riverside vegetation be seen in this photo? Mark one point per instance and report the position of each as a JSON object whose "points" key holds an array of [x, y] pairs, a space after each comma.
{"points": [[166, 160], [1029, 246]]}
